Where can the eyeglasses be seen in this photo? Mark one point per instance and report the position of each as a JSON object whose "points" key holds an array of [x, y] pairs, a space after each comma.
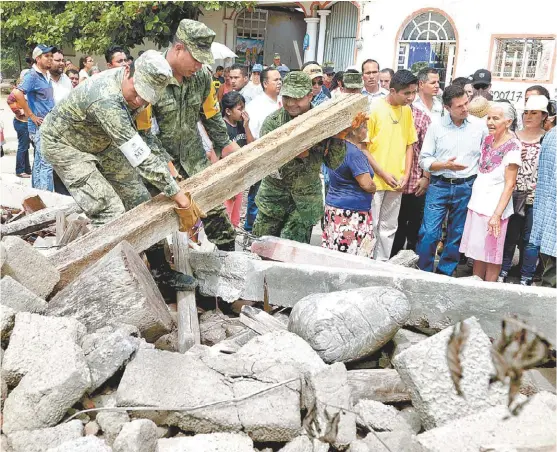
{"points": [[317, 82]]}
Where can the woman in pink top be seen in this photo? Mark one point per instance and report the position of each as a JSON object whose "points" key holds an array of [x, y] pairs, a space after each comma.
{"points": [[490, 205]]}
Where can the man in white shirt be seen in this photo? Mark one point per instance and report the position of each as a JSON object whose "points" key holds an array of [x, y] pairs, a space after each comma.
{"points": [[370, 74], [258, 109], [428, 90], [61, 83], [253, 88], [239, 81]]}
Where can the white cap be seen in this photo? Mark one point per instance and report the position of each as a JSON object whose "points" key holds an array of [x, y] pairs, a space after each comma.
{"points": [[536, 102]]}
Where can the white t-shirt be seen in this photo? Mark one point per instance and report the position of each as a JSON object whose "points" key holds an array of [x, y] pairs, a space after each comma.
{"points": [[83, 74], [258, 110], [490, 183], [251, 91], [61, 88]]}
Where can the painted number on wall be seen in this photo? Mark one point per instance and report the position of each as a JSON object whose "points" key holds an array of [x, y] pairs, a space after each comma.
{"points": [[512, 96]]}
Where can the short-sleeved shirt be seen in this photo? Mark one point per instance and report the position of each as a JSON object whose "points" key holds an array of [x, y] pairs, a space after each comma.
{"points": [[344, 190], [528, 173], [40, 94], [490, 183], [237, 133], [390, 131]]}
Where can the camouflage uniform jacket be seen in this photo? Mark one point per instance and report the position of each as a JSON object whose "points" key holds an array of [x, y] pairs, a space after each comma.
{"points": [[299, 174], [177, 113], [96, 117]]}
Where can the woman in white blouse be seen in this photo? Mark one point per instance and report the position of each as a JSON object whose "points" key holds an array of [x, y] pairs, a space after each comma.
{"points": [[86, 63], [490, 205]]}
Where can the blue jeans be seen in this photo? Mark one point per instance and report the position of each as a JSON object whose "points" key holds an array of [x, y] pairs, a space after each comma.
{"points": [[519, 230], [22, 159], [443, 197], [251, 209], [41, 177]]}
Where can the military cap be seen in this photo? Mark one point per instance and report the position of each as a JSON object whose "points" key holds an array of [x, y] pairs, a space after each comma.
{"points": [[276, 56], [313, 70], [198, 38], [352, 80], [296, 84], [152, 74], [329, 70]]}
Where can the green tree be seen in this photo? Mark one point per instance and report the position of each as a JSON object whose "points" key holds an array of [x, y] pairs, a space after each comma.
{"points": [[92, 26]]}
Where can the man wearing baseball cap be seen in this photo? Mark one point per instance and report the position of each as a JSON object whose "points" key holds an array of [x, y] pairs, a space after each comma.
{"points": [[290, 201], [352, 82], [36, 85], [481, 81], [276, 61], [316, 75], [190, 97]]}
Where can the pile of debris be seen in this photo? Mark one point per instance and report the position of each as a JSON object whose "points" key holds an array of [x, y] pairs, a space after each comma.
{"points": [[289, 347]]}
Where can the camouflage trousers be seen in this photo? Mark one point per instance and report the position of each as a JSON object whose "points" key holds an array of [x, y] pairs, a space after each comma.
{"points": [[104, 185], [286, 213]]}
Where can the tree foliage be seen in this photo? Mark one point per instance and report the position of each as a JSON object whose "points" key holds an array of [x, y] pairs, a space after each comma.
{"points": [[93, 26]]}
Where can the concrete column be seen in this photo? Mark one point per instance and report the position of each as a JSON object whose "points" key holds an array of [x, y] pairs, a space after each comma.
{"points": [[310, 53], [229, 37], [322, 33]]}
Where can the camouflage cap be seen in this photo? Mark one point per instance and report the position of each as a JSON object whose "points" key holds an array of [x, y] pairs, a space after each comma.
{"points": [[276, 56], [352, 80], [152, 74], [198, 38], [313, 70], [296, 84]]}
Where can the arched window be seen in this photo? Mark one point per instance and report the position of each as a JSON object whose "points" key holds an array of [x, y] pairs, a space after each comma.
{"points": [[428, 40]]}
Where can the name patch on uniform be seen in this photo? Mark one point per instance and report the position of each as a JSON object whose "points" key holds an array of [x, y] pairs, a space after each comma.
{"points": [[135, 150]]}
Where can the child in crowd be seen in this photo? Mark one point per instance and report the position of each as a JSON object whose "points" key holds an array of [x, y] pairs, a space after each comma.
{"points": [[237, 124]]}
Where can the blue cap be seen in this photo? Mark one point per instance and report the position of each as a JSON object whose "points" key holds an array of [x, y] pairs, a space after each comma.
{"points": [[257, 68], [283, 68], [41, 49]]}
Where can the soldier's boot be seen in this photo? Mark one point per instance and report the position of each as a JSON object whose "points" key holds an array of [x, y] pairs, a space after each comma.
{"points": [[227, 246], [167, 279]]}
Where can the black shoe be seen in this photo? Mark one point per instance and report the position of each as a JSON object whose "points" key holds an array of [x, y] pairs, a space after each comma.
{"points": [[228, 246], [174, 280]]}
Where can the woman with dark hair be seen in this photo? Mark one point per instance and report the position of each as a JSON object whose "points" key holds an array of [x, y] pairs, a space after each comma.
{"points": [[348, 224], [86, 63], [549, 121], [237, 124], [521, 222], [336, 84]]}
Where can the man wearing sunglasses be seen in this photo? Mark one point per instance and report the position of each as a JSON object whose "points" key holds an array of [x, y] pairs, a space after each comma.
{"points": [[317, 89]]}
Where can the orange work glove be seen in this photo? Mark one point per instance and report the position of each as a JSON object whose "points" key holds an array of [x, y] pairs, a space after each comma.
{"points": [[189, 217]]}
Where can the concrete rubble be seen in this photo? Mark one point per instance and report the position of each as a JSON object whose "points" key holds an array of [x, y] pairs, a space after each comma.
{"points": [[349, 355]]}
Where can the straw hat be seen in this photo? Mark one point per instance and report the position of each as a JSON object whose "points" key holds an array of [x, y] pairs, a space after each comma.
{"points": [[536, 102], [478, 107]]}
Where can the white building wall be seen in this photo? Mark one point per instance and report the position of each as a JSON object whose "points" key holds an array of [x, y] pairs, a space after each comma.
{"points": [[475, 21]]}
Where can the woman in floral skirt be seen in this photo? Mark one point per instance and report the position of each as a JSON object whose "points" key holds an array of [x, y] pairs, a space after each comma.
{"points": [[348, 225]]}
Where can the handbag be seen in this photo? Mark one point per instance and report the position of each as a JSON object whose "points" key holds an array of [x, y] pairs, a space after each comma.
{"points": [[519, 202]]}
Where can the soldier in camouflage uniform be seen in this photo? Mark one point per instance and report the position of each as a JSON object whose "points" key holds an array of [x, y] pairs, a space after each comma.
{"points": [[290, 201], [91, 141], [188, 98]]}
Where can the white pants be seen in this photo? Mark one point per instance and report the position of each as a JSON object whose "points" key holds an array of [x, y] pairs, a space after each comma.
{"points": [[385, 209]]}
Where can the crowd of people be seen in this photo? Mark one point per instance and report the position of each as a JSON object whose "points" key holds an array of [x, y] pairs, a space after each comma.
{"points": [[450, 174]]}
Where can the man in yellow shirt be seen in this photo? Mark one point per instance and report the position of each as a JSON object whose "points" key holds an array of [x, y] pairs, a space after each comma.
{"points": [[391, 134]]}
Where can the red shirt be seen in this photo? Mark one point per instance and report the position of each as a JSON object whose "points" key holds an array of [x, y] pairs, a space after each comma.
{"points": [[14, 106], [421, 123]]}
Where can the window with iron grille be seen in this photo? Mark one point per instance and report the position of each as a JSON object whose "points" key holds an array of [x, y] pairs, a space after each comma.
{"points": [[523, 58], [251, 24]]}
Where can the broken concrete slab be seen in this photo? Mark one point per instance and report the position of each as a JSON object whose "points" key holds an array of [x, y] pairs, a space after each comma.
{"points": [[44, 358], [13, 196], [283, 347], [111, 423], [437, 301], [117, 288], [382, 385], [376, 416], [85, 444], [214, 442], [215, 327], [29, 267], [19, 298], [425, 371], [304, 444], [105, 354], [292, 252], [405, 258], [327, 391], [139, 435], [44, 439], [533, 428], [351, 324], [34, 340], [404, 339], [3, 255], [537, 380], [147, 382]]}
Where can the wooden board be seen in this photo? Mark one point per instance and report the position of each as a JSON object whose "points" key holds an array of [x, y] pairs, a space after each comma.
{"points": [[155, 219], [37, 220]]}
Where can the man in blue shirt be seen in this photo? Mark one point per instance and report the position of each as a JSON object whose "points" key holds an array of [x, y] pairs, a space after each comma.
{"points": [[36, 85], [450, 153], [544, 227]]}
